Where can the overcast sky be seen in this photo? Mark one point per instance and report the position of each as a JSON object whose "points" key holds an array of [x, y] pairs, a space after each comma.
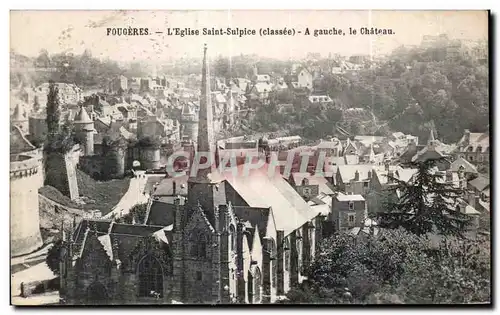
{"points": [[75, 31]]}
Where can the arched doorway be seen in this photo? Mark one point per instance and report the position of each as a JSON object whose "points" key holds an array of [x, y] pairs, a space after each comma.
{"points": [[97, 294], [150, 274]]}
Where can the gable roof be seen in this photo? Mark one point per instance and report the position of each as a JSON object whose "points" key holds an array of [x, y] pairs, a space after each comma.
{"points": [[313, 180], [480, 183], [468, 167]]}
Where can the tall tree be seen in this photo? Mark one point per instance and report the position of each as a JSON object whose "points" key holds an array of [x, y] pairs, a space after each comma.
{"points": [[427, 203], [53, 111]]}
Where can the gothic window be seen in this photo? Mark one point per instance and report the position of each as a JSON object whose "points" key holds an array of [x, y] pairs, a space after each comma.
{"points": [[257, 286], [232, 238], [96, 294], [150, 275], [198, 245], [286, 250]]}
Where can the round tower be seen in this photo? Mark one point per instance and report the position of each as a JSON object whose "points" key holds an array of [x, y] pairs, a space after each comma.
{"points": [[84, 128], [25, 180]]}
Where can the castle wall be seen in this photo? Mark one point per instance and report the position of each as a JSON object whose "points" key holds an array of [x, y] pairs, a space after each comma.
{"points": [[25, 180], [60, 172]]}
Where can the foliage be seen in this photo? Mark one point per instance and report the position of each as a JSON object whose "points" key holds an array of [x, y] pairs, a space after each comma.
{"points": [[53, 111], [398, 267], [149, 142], [54, 256], [136, 215], [427, 203]]}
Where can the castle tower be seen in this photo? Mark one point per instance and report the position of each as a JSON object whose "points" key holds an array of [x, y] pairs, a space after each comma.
{"points": [[84, 127], [20, 119], [25, 180]]}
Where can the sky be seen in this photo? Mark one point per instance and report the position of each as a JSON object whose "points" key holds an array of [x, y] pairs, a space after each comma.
{"points": [[75, 31]]}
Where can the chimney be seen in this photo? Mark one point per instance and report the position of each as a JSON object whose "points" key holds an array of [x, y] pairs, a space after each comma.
{"points": [[356, 176], [449, 177], [467, 135], [471, 199]]}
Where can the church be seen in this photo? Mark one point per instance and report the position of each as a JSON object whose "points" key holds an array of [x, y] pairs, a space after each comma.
{"points": [[230, 239]]}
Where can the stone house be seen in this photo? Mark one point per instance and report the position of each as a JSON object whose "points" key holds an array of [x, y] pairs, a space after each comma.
{"points": [[348, 211], [474, 147]]}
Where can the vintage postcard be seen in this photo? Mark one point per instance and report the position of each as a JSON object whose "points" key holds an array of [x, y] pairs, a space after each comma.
{"points": [[249, 157]]}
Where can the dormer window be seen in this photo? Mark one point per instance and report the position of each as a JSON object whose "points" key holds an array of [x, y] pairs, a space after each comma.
{"points": [[479, 149], [470, 149], [305, 182], [351, 205]]}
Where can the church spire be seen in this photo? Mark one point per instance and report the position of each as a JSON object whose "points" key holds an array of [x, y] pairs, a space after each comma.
{"points": [[431, 136], [205, 122]]}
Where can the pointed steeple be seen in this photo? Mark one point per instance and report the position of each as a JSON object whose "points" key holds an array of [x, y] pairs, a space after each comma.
{"points": [[372, 154], [206, 141], [82, 116], [19, 113]]}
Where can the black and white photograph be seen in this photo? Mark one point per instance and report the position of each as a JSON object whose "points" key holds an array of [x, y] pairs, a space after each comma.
{"points": [[232, 157]]}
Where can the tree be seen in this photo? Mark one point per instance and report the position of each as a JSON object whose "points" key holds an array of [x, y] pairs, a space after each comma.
{"points": [[53, 258], [396, 266], [53, 111], [427, 203], [136, 215]]}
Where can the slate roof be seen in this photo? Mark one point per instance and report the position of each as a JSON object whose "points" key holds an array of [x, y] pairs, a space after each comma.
{"points": [[313, 180], [347, 172], [19, 143], [480, 183], [468, 167], [260, 190]]}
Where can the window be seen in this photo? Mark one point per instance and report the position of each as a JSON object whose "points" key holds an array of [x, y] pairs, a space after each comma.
{"points": [[232, 238], [479, 149], [199, 276], [365, 184], [307, 191], [305, 182], [286, 250], [469, 149], [471, 158], [274, 264], [150, 277], [351, 205], [198, 245], [351, 218]]}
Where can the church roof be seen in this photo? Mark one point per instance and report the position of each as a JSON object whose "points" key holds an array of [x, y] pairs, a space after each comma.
{"points": [[259, 190]]}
